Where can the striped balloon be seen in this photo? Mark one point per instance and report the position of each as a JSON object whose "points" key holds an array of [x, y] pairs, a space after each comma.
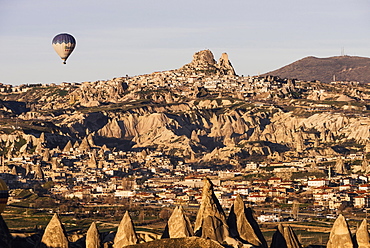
{"points": [[4, 194], [64, 44]]}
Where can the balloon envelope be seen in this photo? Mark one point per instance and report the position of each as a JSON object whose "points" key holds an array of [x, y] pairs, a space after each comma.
{"points": [[64, 44], [4, 194]]}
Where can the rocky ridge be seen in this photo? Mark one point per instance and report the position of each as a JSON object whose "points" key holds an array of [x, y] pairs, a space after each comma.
{"points": [[273, 118]]}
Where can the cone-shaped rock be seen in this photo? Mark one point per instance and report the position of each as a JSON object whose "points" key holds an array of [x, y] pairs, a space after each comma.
{"points": [[211, 219], [362, 236], [68, 146], [126, 234], [90, 140], [42, 138], [93, 237], [5, 236], [14, 170], [340, 235], [46, 156], [54, 235], [284, 237], [92, 161], [242, 225], [84, 146], [178, 225]]}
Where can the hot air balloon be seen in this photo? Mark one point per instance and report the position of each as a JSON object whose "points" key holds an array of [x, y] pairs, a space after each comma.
{"points": [[4, 194], [64, 44]]}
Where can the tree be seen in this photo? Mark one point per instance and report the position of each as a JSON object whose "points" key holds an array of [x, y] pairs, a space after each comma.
{"points": [[164, 214]]}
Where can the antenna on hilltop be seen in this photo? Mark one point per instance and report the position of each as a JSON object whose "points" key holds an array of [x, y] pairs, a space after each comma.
{"points": [[342, 52]]}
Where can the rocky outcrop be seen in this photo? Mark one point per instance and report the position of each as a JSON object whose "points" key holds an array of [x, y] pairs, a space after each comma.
{"points": [[111, 130], [340, 166], [340, 235], [243, 226], [178, 225], [211, 222], [93, 237], [67, 148], [126, 234], [362, 236], [54, 235], [225, 66], [190, 242], [284, 237], [204, 63]]}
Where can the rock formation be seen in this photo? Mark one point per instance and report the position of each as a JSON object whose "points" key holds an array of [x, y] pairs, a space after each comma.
{"points": [[126, 234], [39, 174], [204, 62], [54, 235], [340, 235], [84, 146], [178, 225], [225, 66], [340, 166], [92, 161], [190, 242], [243, 226], [93, 237], [211, 220], [67, 148], [284, 237], [362, 236], [111, 130]]}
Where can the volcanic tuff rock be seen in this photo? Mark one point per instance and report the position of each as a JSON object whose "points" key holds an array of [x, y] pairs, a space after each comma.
{"points": [[340, 235], [243, 226], [211, 219], [93, 237], [284, 237], [362, 235], [210, 222], [190, 242], [204, 62], [126, 234], [54, 235], [178, 225]]}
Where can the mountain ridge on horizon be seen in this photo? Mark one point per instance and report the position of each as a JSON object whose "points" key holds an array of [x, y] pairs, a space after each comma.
{"points": [[327, 69]]}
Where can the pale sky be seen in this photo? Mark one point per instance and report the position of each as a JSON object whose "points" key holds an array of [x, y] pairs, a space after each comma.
{"points": [[119, 37]]}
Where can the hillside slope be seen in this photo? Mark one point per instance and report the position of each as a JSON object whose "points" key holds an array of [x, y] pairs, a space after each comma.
{"points": [[345, 68]]}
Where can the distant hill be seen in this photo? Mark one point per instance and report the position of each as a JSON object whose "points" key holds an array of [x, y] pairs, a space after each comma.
{"points": [[345, 68]]}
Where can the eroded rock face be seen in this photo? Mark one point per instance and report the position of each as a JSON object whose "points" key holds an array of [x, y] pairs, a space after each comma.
{"points": [[93, 237], [243, 226], [126, 234], [362, 236], [225, 65], [340, 235], [178, 225], [211, 219], [112, 130], [54, 235], [204, 62], [190, 242], [284, 237]]}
